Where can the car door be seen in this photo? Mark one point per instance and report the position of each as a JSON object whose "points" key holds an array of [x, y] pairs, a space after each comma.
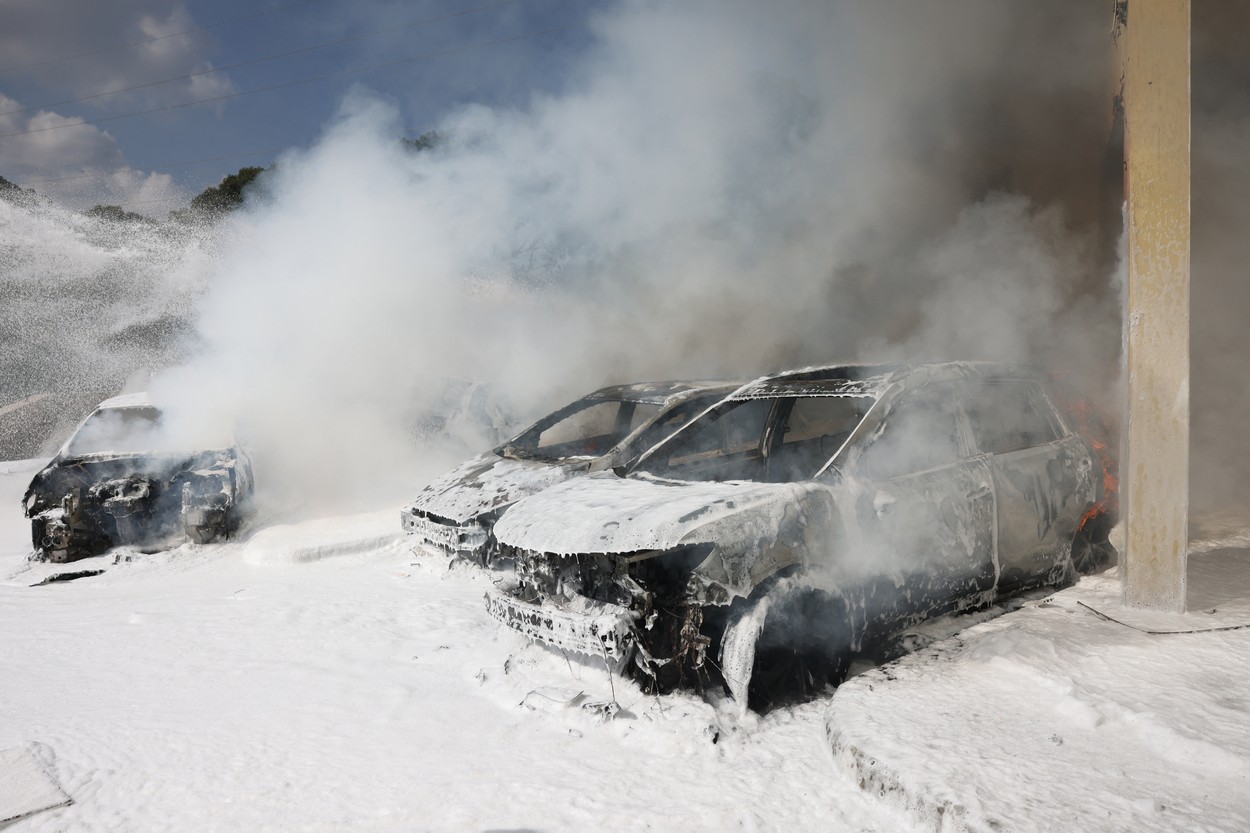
{"points": [[1035, 477], [926, 507]]}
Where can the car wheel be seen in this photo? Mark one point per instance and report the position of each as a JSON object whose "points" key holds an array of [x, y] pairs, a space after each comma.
{"points": [[785, 647], [1091, 550]]}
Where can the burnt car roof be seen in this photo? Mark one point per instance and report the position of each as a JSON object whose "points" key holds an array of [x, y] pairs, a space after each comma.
{"points": [[142, 399], [857, 380], [662, 393], [770, 388], [872, 379]]}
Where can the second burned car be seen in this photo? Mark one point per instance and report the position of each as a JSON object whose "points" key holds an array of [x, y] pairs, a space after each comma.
{"points": [[130, 476], [803, 518], [607, 428]]}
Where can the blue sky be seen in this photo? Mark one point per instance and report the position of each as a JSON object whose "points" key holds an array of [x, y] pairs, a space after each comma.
{"points": [[56, 50]]}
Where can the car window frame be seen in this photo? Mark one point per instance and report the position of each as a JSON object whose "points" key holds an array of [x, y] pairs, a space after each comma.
{"points": [[780, 415], [967, 448], [631, 448], [1036, 397]]}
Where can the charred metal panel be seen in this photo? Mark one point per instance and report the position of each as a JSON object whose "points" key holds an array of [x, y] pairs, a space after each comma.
{"points": [[1038, 491]]}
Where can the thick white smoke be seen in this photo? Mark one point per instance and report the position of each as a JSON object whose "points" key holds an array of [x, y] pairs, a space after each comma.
{"points": [[724, 188]]}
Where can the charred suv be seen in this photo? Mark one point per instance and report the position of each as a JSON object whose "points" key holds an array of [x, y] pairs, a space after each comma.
{"points": [[124, 477], [806, 517], [607, 428]]}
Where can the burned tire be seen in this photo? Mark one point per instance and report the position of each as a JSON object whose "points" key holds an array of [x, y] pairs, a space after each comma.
{"points": [[1091, 550], [786, 648], [803, 649]]}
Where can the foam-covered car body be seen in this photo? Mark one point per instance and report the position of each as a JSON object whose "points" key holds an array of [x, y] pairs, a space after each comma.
{"points": [[804, 516], [607, 428], [127, 476]]}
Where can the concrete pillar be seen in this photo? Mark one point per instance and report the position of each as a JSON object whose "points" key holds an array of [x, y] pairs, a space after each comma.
{"points": [[1155, 465]]}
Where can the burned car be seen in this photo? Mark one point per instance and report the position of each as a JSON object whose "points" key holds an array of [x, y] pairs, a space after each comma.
{"points": [[803, 519], [124, 477], [607, 428], [461, 414]]}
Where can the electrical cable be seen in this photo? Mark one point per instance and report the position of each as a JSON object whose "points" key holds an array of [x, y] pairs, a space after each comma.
{"points": [[155, 38], [184, 164], [296, 83], [1102, 615], [260, 60]]}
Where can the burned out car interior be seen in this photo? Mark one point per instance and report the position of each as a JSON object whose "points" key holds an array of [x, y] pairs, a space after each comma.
{"points": [[124, 477], [597, 424], [804, 519], [768, 439], [609, 427]]}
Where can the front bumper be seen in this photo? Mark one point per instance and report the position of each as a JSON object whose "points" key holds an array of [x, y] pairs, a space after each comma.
{"points": [[454, 539], [584, 626]]}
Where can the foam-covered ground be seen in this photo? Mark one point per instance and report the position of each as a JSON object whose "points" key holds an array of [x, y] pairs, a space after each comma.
{"points": [[318, 676], [1055, 718]]}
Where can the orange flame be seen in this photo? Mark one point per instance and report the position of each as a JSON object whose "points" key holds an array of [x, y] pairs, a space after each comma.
{"points": [[1089, 426]]}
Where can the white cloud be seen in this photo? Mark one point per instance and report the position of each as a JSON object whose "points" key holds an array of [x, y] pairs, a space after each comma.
{"points": [[38, 34], [86, 162], [59, 51]]}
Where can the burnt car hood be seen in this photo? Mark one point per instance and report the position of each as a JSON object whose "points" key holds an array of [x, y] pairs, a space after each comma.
{"points": [[603, 513], [488, 482], [61, 472]]}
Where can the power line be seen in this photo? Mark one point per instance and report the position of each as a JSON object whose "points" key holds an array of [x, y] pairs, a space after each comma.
{"points": [[299, 82], [262, 59], [183, 164], [155, 38]]}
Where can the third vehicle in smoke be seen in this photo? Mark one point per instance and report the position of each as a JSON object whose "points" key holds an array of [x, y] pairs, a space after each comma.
{"points": [[805, 518]]}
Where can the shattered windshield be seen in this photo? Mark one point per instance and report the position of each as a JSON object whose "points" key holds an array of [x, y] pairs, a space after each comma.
{"points": [[142, 429], [588, 428], [773, 440], [118, 430]]}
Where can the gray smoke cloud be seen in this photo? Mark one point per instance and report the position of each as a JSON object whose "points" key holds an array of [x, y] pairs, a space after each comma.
{"points": [[1220, 294], [723, 188]]}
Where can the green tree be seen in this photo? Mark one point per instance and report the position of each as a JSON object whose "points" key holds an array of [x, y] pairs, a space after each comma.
{"points": [[426, 141], [227, 195], [115, 213], [15, 193]]}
